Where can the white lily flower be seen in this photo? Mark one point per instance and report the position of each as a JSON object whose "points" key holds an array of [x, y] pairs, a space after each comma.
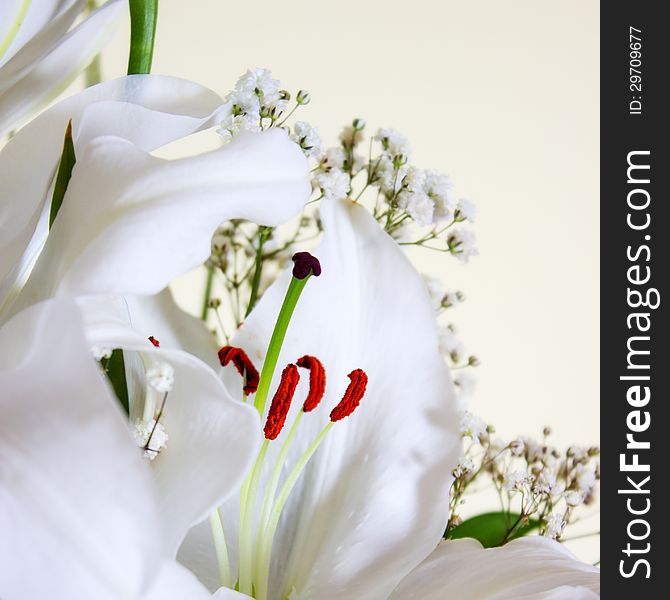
{"points": [[370, 506], [79, 514], [374, 498], [40, 54]]}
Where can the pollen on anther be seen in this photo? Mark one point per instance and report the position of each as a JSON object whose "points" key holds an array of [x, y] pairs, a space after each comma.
{"points": [[305, 264], [243, 364], [317, 381], [352, 396], [154, 341], [281, 402]]}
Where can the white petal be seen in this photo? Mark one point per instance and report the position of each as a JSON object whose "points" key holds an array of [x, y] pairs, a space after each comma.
{"points": [[148, 110], [77, 508], [33, 85], [212, 439], [45, 23], [374, 501], [527, 568], [149, 220], [159, 316], [174, 582]]}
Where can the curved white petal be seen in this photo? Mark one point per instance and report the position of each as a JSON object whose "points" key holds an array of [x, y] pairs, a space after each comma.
{"points": [[374, 499], [44, 67], [212, 438], [148, 110], [148, 220], [77, 510], [174, 582], [44, 24], [159, 316], [528, 568]]}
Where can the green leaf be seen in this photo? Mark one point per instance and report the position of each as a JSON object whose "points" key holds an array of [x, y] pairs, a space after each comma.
{"points": [[491, 529], [143, 15], [115, 369], [67, 161]]}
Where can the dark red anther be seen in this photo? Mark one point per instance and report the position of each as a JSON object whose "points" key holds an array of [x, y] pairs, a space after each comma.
{"points": [[317, 381], [243, 365], [304, 264], [281, 402], [154, 341], [352, 397]]}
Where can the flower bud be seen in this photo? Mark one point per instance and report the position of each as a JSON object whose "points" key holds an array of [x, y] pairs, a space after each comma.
{"points": [[358, 124], [303, 97]]}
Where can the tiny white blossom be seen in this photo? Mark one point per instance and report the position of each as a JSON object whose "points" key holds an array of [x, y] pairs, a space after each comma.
{"points": [[435, 290], [387, 177], [235, 124], [150, 436], [438, 188], [554, 525], [573, 498], [515, 480], [335, 157], [418, 206], [517, 447], [586, 478], [465, 466], [472, 426], [393, 142], [462, 244], [160, 376], [468, 209], [100, 352], [334, 184], [465, 383], [261, 84], [308, 138], [450, 345], [351, 136], [546, 482]]}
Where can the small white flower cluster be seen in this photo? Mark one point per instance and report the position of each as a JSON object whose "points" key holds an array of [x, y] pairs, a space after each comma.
{"points": [[258, 102], [150, 436], [534, 480], [101, 353], [160, 376]]}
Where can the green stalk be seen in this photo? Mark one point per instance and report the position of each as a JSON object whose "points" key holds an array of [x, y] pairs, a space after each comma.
{"points": [[143, 15], [256, 281], [208, 293], [283, 319]]}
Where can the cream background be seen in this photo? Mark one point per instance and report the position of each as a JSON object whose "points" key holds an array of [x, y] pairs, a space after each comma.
{"points": [[503, 96]]}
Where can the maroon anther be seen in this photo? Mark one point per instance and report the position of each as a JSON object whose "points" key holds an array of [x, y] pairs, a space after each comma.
{"points": [[154, 341], [317, 381], [352, 396], [281, 402], [243, 365], [304, 264]]}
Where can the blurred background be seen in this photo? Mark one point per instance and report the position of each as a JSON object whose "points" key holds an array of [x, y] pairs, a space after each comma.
{"points": [[502, 96]]}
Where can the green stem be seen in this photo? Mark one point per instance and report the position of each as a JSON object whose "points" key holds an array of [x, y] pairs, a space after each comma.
{"points": [[269, 533], [67, 161], [208, 292], [256, 281], [246, 541], [271, 488], [221, 549], [143, 15], [283, 319]]}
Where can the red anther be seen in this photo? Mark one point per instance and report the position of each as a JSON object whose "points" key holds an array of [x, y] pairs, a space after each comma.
{"points": [[317, 381], [243, 365], [281, 402], [154, 341], [352, 397]]}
